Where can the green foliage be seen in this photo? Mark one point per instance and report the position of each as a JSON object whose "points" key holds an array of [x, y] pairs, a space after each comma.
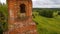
{"points": [[47, 12], [58, 12], [47, 25], [44, 25], [3, 16]]}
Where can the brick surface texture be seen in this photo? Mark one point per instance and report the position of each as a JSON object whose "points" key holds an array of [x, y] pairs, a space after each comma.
{"points": [[24, 24]]}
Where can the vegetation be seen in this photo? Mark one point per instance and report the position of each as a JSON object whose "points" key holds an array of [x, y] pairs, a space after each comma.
{"points": [[3, 17], [47, 12], [46, 25], [59, 12], [46, 19]]}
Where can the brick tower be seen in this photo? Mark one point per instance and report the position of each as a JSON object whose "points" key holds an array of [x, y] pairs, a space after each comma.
{"points": [[20, 17]]}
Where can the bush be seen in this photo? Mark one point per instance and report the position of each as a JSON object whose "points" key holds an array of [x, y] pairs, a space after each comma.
{"points": [[58, 12], [55, 13], [3, 21], [3, 17]]}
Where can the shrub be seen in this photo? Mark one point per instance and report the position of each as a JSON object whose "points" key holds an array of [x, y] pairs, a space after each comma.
{"points": [[3, 17], [3, 21], [58, 12], [55, 13]]}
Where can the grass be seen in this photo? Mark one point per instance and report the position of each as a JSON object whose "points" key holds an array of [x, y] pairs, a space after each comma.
{"points": [[47, 25]]}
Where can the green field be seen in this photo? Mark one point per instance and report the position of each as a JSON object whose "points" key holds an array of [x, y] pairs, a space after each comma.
{"points": [[47, 25]]}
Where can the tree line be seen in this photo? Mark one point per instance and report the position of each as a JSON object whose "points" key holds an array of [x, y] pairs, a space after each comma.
{"points": [[47, 12]]}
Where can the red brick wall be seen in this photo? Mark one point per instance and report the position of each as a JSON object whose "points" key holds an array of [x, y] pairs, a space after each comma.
{"points": [[17, 26]]}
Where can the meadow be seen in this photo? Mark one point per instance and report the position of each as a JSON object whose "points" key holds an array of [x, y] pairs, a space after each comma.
{"points": [[47, 25]]}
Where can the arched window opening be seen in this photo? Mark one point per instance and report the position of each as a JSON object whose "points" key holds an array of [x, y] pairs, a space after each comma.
{"points": [[22, 12], [22, 8]]}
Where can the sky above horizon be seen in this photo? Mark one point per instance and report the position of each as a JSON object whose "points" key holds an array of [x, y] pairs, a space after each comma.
{"points": [[43, 3]]}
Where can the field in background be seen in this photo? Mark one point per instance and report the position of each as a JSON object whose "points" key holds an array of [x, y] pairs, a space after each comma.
{"points": [[46, 25]]}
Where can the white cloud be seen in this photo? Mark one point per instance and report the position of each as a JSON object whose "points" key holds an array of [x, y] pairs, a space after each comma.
{"points": [[56, 1], [33, 0], [3, 1], [48, 6], [46, 3]]}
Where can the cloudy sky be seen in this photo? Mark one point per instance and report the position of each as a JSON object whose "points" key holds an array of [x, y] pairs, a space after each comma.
{"points": [[43, 3]]}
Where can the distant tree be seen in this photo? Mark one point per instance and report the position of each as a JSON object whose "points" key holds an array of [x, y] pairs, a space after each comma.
{"points": [[48, 13]]}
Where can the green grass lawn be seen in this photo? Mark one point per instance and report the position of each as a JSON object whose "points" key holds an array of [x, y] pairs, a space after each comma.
{"points": [[47, 25]]}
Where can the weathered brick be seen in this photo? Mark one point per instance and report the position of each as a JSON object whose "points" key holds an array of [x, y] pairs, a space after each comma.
{"points": [[20, 23]]}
